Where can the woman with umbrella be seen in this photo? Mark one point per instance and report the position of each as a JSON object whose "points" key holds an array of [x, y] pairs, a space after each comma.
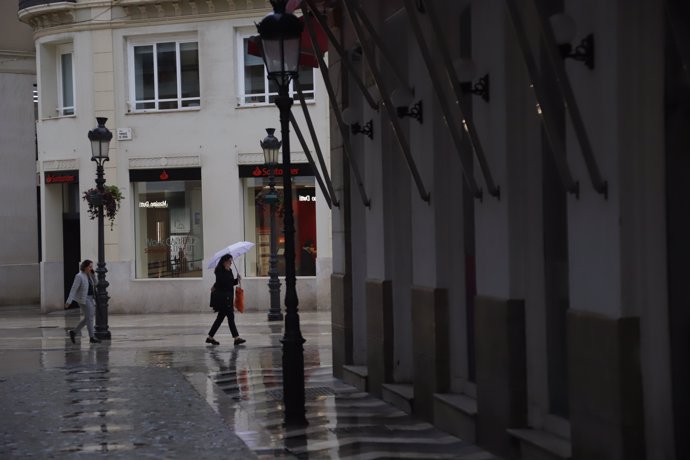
{"points": [[222, 297]]}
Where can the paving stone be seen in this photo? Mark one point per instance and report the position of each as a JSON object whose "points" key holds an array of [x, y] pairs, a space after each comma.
{"points": [[124, 412]]}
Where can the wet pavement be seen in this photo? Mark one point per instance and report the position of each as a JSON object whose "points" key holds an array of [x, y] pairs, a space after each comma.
{"points": [[156, 390]]}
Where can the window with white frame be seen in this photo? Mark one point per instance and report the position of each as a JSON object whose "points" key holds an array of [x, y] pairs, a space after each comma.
{"points": [[65, 77], [255, 88], [164, 75]]}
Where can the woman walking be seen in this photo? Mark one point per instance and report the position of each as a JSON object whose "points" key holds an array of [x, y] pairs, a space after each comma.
{"points": [[83, 292], [222, 297]]}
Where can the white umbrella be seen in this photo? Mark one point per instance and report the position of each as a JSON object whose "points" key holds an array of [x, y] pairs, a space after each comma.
{"points": [[235, 250]]}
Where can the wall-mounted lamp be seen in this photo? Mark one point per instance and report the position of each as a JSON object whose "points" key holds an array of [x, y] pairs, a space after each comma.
{"points": [[583, 52], [356, 127], [401, 99], [466, 70], [414, 111], [563, 27], [367, 128], [481, 88]]}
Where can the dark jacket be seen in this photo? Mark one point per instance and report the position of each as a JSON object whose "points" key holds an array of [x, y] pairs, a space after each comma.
{"points": [[223, 294]]}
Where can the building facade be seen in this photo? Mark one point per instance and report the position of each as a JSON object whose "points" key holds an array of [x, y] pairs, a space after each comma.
{"points": [[510, 264], [19, 256], [187, 105]]}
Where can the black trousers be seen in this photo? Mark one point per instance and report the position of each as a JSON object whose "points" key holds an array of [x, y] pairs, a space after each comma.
{"points": [[222, 314]]}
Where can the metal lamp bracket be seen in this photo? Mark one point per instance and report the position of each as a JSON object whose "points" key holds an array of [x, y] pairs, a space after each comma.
{"points": [[367, 128], [414, 111], [584, 52], [481, 88]]}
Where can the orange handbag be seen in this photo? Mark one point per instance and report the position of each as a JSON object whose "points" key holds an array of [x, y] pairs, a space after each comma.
{"points": [[239, 299]]}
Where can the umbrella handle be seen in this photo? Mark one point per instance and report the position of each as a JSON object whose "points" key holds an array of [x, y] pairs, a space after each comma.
{"points": [[238, 272]]}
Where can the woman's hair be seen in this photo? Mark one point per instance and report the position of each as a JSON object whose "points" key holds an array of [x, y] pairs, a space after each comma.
{"points": [[85, 264], [222, 260]]}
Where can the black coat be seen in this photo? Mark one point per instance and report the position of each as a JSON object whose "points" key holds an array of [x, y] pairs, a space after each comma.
{"points": [[223, 293]]}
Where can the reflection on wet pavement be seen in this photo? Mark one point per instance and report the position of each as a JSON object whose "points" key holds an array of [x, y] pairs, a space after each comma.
{"points": [[343, 422], [156, 390]]}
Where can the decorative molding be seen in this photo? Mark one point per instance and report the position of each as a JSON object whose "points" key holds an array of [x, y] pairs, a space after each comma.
{"points": [[65, 13], [250, 158], [165, 162], [17, 62], [14, 55], [60, 165], [152, 9], [48, 15], [258, 158]]}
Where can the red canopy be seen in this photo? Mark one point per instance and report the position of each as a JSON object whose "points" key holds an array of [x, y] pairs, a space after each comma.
{"points": [[307, 57]]}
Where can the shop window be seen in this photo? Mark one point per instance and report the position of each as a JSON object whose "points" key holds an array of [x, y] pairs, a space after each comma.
{"points": [[255, 88], [168, 223], [164, 75], [257, 214]]}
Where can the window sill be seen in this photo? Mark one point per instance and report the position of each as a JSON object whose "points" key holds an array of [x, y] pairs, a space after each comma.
{"points": [[269, 104], [58, 117], [264, 278], [148, 112], [151, 280]]}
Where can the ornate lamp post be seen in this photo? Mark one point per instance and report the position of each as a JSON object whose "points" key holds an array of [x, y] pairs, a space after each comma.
{"points": [[271, 146], [100, 138], [280, 36]]}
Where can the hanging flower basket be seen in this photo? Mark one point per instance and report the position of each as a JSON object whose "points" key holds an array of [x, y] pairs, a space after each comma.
{"points": [[110, 199]]}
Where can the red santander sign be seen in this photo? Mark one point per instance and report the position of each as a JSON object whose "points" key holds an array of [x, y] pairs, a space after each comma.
{"points": [[62, 177], [297, 169], [260, 172]]}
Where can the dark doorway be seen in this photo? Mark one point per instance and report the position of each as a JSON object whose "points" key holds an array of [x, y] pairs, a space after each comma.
{"points": [[555, 228], [469, 243], [677, 108], [556, 285], [71, 248]]}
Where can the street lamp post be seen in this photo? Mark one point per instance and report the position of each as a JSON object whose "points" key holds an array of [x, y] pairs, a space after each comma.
{"points": [[280, 36], [100, 138], [271, 147]]}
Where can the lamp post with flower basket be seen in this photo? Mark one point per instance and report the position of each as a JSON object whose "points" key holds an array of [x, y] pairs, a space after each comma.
{"points": [[100, 138]]}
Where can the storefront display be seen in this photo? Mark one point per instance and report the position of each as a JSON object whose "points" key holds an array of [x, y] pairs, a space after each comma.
{"points": [[167, 223], [257, 212]]}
